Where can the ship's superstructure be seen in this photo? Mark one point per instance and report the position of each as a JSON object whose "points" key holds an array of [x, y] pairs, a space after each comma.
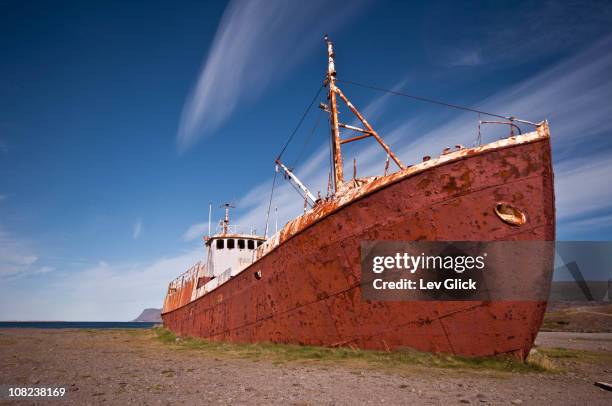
{"points": [[228, 253], [303, 284]]}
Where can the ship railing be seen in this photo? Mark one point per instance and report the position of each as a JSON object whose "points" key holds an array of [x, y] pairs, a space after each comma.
{"points": [[236, 229], [189, 274]]}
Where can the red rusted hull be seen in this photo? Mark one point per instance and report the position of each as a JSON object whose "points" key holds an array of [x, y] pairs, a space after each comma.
{"points": [[309, 292]]}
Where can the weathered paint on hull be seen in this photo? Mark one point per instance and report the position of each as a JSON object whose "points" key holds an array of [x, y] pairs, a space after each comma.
{"points": [[309, 292]]}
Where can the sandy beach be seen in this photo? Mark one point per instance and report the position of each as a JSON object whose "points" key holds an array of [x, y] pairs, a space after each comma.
{"points": [[136, 367]]}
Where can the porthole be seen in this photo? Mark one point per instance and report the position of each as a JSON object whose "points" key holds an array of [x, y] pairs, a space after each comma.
{"points": [[510, 214]]}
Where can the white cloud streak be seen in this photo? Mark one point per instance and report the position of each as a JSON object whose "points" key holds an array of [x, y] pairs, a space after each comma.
{"points": [[256, 42], [581, 186], [592, 223], [16, 255], [195, 231], [101, 292], [137, 229], [518, 32]]}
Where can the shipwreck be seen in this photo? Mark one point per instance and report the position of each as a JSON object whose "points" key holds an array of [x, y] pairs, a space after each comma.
{"points": [[302, 285]]}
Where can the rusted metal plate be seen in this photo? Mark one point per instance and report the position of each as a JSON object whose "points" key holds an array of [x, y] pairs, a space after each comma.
{"points": [[309, 289]]}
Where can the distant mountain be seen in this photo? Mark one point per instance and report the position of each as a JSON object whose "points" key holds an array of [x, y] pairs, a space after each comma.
{"points": [[150, 315]]}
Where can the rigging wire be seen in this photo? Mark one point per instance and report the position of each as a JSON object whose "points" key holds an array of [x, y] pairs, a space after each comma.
{"points": [[300, 155], [270, 203], [297, 127], [432, 101], [300, 122]]}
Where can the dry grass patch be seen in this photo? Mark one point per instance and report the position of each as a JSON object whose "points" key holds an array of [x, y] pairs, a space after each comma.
{"points": [[280, 353]]}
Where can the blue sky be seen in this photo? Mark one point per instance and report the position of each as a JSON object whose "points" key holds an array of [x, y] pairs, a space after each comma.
{"points": [[119, 122]]}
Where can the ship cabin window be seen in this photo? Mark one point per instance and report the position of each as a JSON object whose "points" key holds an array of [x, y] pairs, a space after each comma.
{"points": [[259, 243], [220, 244], [251, 244], [231, 244], [241, 244]]}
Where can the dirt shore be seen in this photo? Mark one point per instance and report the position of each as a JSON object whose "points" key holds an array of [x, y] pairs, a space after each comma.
{"points": [[585, 317], [576, 341], [135, 367]]}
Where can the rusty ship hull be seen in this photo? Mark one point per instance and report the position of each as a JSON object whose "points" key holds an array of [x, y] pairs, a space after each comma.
{"points": [[308, 288]]}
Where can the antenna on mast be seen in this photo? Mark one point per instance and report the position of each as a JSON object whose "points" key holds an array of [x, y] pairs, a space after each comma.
{"points": [[209, 217], [226, 219]]}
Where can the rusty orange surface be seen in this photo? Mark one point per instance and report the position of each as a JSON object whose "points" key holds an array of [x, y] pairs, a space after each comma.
{"points": [[309, 291]]}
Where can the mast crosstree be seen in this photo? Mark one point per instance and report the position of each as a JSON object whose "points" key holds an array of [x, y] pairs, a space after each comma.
{"points": [[368, 131]]}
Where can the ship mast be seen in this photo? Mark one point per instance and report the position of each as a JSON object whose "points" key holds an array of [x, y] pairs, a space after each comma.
{"points": [[333, 117], [335, 125]]}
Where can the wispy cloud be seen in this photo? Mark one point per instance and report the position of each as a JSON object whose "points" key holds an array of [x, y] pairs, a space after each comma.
{"points": [[16, 255], [256, 41], [523, 31], [574, 96], [137, 228], [44, 269], [3, 197], [581, 186], [591, 223], [195, 231], [104, 291]]}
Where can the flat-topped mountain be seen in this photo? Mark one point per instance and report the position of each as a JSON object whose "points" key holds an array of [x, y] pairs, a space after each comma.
{"points": [[150, 315]]}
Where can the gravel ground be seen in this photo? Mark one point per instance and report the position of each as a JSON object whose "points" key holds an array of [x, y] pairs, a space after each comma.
{"points": [[132, 367], [576, 341], [586, 317]]}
